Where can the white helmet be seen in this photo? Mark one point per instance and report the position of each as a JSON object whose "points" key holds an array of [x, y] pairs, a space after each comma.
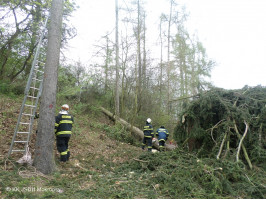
{"points": [[64, 110], [149, 120], [65, 107]]}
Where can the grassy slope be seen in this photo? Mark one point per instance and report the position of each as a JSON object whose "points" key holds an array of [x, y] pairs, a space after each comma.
{"points": [[102, 167]]}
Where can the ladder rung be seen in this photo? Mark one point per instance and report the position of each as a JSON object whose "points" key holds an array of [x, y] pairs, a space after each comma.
{"points": [[21, 141], [23, 132], [32, 97], [24, 123], [34, 88], [36, 79], [16, 150], [29, 105], [28, 115]]}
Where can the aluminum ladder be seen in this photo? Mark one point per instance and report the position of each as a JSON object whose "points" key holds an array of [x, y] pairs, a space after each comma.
{"points": [[33, 90]]}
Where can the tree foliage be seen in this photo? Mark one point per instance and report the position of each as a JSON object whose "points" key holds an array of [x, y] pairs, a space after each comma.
{"points": [[20, 26], [214, 123], [148, 85]]}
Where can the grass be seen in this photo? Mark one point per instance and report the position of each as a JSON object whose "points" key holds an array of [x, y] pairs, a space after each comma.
{"points": [[104, 166]]}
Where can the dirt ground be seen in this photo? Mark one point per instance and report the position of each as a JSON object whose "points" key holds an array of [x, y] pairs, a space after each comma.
{"points": [[88, 143]]}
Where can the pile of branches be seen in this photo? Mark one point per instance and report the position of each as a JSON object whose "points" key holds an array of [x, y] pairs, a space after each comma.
{"points": [[227, 124]]}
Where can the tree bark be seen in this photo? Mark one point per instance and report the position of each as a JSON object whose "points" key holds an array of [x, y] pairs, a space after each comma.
{"points": [[44, 156], [161, 62], [136, 131], [168, 56], [139, 84], [116, 62]]}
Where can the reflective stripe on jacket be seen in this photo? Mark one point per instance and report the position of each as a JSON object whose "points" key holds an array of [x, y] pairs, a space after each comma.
{"points": [[148, 131], [63, 125], [162, 134]]}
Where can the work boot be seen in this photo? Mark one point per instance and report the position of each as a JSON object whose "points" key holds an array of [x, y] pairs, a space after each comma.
{"points": [[68, 155]]}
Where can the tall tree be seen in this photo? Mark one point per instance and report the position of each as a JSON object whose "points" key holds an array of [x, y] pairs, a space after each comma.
{"points": [[192, 65], [116, 62], [44, 156], [168, 55], [108, 60], [139, 84], [161, 58]]}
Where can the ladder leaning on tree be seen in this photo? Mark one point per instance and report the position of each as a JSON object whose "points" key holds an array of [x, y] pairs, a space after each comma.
{"points": [[33, 90]]}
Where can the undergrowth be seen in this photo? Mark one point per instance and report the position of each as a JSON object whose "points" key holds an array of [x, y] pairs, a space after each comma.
{"points": [[178, 174], [119, 170], [175, 174]]}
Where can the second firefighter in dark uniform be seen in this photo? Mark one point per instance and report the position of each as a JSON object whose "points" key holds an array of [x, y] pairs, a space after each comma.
{"points": [[162, 134], [63, 131]]}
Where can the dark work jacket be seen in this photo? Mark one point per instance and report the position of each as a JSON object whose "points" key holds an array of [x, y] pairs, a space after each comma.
{"points": [[162, 134], [63, 125], [148, 131]]}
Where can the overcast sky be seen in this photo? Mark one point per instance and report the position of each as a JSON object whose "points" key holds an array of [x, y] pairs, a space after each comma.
{"points": [[232, 31]]}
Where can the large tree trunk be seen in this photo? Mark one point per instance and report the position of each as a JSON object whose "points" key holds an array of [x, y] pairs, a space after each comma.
{"points": [[136, 131], [44, 156]]}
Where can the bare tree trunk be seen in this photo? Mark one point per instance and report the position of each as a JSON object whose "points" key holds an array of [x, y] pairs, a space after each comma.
{"points": [[168, 57], [124, 58], [144, 68], [161, 63], [44, 156], [107, 62], [145, 78], [116, 63], [139, 59]]}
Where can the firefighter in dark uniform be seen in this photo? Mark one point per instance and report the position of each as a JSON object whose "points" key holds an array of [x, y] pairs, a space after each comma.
{"points": [[162, 135], [148, 135], [63, 127]]}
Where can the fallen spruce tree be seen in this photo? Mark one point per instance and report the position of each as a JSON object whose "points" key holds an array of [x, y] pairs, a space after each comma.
{"points": [[136, 131], [227, 124]]}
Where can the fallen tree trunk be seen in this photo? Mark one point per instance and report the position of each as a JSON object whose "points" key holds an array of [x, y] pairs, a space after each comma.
{"points": [[136, 131]]}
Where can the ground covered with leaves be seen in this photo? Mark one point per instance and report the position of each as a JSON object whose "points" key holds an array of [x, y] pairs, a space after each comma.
{"points": [[107, 163]]}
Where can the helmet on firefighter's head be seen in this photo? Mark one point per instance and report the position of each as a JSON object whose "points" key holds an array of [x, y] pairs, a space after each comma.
{"points": [[149, 120], [64, 109]]}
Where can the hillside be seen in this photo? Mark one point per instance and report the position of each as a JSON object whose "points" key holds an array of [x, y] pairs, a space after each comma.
{"points": [[107, 163]]}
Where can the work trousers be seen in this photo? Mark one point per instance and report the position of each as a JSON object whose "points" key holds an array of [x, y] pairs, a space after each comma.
{"points": [[148, 141], [161, 145], [62, 147]]}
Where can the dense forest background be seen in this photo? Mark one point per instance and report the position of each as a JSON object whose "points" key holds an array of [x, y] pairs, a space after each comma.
{"points": [[145, 85]]}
